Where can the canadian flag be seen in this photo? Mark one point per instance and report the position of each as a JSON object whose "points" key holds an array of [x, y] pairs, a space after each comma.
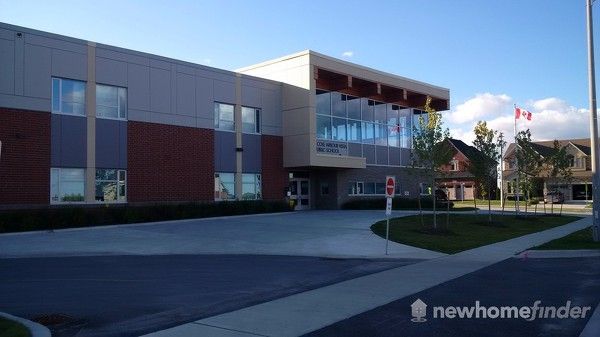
{"points": [[522, 113]]}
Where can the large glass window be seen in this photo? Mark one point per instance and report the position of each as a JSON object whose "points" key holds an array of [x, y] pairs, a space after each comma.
{"points": [[67, 185], [367, 108], [338, 104], [339, 128], [354, 131], [250, 120], [68, 96], [380, 112], [324, 127], [251, 186], [224, 186], [224, 117], [323, 102], [111, 102], [394, 135], [368, 133], [380, 134], [353, 107], [111, 185]]}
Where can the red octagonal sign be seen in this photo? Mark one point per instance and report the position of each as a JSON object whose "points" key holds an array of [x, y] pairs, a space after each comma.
{"points": [[389, 187]]}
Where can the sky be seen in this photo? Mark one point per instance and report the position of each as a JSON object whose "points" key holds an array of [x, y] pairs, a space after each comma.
{"points": [[491, 54]]}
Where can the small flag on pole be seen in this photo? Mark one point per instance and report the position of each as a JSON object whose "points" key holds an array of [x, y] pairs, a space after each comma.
{"points": [[522, 113]]}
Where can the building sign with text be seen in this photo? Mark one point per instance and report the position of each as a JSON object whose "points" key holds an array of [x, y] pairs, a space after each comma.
{"points": [[332, 148]]}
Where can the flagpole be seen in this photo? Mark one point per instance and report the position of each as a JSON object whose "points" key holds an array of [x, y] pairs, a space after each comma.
{"points": [[516, 163]]}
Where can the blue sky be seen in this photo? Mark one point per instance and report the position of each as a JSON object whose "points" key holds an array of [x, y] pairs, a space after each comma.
{"points": [[491, 54]]}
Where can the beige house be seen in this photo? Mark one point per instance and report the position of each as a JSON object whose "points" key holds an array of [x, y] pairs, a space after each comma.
{"points": [[579, 153]]}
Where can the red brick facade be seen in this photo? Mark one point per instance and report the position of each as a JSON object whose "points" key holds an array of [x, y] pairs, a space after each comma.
{"points": [[274, 175], [169, 163], [25, 157]]}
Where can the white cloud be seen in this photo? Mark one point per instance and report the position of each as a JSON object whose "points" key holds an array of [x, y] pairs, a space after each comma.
{"points": [[480, 107], [348, 54], [552, 118]]}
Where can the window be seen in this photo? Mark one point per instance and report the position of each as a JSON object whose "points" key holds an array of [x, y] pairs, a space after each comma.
{"points": [[379, 188], [355, 187], [250, 120], [224, 117], [339, 129], [354, 131], [251, 186], [323, 103], [369, 188], [424, 189], [68, 96], [381, 134], [224, 186], [324, 130], [368, 133], [338, 104], [111, 185], [67, 185], [454, 165], [324, 188], [111, 102]]}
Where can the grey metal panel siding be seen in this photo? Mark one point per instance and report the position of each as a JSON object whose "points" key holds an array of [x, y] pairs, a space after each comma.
{"points": [[354, 150], [224, 92], [69, 65], [110, 143], [251, 155], [111, 72], [171, 119], [160, 90], [37, 64], [251, 97], [138, 87], [271, 111], [224, 151], [129, 56], [405, 157], [394, 156], [56, 42], [7, 67], [205, 103], [369, 153], [382, 155], [69, 141], [186, 95]]}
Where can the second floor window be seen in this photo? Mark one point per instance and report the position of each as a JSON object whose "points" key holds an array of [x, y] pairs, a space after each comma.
{"points": [[454, 165], [111, 102], [224, 117], [68, 96], [250, 120]]}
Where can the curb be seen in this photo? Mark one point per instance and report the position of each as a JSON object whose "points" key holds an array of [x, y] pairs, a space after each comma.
{"points": [[36, 330]]}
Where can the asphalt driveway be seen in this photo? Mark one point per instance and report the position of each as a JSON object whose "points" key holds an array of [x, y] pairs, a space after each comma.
{"points": [[310, 233]]}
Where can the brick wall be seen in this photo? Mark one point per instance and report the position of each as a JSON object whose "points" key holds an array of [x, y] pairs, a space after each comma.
{"points": [[274, 176], [25, 157], [169, 163]]}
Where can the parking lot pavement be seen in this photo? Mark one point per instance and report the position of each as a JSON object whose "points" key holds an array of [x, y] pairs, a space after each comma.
{"points": [[308, 233], [132, 295], [513, 282]]}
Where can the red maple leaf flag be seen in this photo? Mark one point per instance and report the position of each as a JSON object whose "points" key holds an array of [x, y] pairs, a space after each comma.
{"points": [[522, 113]]}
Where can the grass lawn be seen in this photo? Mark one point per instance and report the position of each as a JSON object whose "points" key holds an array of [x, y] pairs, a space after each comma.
{"points": [[12, 329], [466, 231], [579, 240]]}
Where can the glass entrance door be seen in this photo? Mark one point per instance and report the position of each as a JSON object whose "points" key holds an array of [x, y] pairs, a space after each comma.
{"points": [[300, 193]]}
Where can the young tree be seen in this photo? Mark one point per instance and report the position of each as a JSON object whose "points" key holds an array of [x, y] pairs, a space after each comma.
{"points": [[561, 167], [484, 167], [529, 162], [431, 151]]}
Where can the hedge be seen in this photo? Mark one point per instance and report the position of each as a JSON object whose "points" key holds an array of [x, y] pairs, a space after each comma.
{"points": [[78, 216], [398, 203]]}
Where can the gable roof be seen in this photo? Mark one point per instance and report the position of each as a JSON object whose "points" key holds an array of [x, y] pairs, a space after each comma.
{"points": [[544, 148], [469, 151]]}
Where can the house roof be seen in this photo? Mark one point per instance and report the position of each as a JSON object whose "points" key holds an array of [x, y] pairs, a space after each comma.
{"points": [[469, 151], [544, 148]]}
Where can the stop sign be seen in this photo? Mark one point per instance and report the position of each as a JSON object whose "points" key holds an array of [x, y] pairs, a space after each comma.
{"points": [[390, 183]]}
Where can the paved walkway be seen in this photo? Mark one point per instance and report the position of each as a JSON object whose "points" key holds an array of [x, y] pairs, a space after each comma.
{"points": [[310, 233], [305, 312]]}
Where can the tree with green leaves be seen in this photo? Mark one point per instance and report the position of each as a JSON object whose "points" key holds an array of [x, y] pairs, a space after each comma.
{"points": [[484, 167], [560, 168], [529, 163], [431, 151]]}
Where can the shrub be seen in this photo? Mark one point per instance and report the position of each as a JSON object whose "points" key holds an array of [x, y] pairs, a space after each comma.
{"points": [[398, 203], [84, 215]]}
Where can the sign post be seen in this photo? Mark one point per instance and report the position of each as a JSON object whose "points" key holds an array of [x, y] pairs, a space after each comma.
{"points": [[390, 187]]}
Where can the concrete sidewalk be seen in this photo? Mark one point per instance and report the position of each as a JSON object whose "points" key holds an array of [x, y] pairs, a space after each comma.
{"points": [[305, 312]]}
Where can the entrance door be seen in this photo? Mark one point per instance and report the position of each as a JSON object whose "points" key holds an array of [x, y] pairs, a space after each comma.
{"points": [[299, 192]]}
